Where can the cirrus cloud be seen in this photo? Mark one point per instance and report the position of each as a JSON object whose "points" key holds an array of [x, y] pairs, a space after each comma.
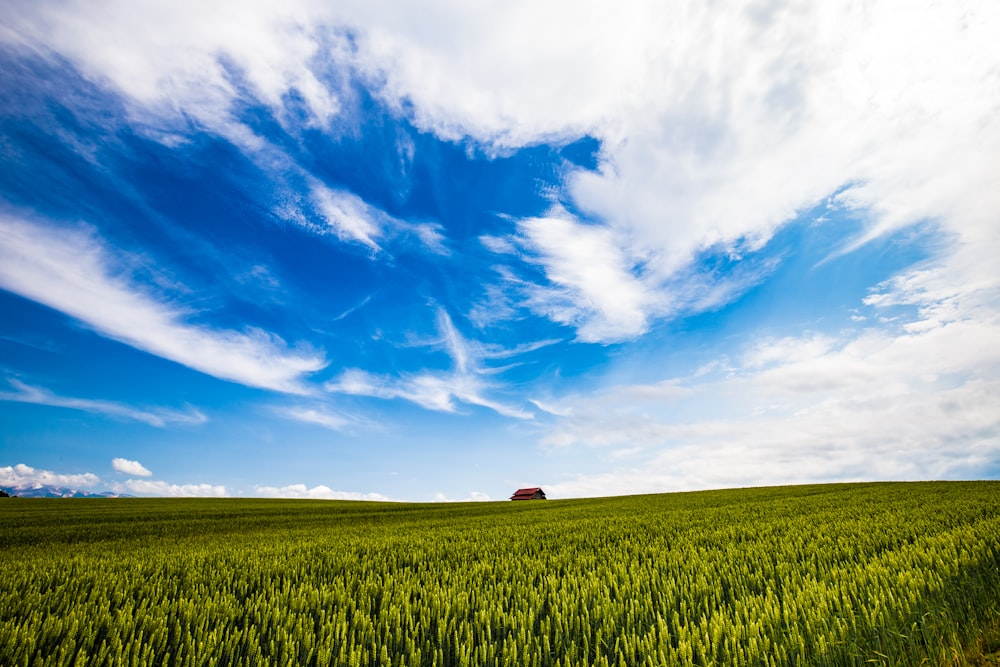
{"points": [[74, 272], [159, 417], [435, 390]]}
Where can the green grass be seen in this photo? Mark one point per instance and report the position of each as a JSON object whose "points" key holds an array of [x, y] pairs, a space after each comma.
{"points": [[851, 574]]}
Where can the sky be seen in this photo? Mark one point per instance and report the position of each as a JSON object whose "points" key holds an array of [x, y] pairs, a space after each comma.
{"points": [[440, 250]]}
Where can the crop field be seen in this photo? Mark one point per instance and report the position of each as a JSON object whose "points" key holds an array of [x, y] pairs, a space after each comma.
{"points": [[846, 574]]}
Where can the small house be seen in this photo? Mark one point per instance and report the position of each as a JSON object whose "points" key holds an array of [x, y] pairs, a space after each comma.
{"points": [[534, 493]]}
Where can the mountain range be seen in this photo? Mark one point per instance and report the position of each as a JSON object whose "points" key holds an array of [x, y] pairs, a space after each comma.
{"points": [[47, 491]]}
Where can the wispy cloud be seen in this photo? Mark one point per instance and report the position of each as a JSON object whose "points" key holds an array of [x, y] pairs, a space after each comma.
{"points": [[176, 79], [433, 390], [353, 309], [318, 416], [320, 492], [349, 216], [22, 477], [130, 467], [159, 417], [353, 219], [74, 272], [430, 234]]}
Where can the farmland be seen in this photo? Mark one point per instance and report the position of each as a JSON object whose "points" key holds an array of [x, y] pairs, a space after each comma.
{"points": [[891, 573]]}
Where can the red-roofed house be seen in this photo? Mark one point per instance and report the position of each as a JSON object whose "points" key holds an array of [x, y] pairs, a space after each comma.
{"points": [[534, 493]]}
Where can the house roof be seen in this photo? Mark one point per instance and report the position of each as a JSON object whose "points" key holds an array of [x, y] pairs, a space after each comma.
{"points": [[527, 493]]}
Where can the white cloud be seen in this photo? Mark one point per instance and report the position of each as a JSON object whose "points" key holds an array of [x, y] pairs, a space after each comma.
{"points": [[688, 96], [430, 235], [492, 351], [434, 390], [178, 59], [320, 492], [473, 497], [149, 487], [718, 122], [72, 271], [462, 353], [498, 244], [177, 75], [130, 467], [430, 390], [915, 404], [21, 476], [349, 216], [319, 417], [158, 417], [353, 219], [456, 66], [769, 351], [593, 283], [552, 409]]}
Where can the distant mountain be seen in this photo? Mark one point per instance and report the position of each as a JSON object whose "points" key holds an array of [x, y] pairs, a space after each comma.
{"points": [[45, 491]]}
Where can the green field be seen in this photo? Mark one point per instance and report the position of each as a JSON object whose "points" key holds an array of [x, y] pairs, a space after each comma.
{"points": [[894, 573]]}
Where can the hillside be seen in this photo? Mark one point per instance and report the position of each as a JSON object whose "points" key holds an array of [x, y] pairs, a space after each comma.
{"points": [[893, 573]]}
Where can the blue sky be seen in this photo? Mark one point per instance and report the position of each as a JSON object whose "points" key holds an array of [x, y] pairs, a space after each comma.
{"points": [[431, 251]]}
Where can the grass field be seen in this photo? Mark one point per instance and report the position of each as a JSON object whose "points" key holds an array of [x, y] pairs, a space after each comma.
{"points": [[853, 574]]}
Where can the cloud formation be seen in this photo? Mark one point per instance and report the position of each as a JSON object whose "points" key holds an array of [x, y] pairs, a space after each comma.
{"points": [[434, 390], [74, 272], [918, 403], [349, 216], [22, 476], [354, 220], [317, 416], [717, 124], [130, 467], [593, 283], [320, 492], [159, 417], [150, 487]]}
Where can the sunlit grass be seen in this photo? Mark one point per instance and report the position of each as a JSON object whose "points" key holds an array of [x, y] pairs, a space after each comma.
{"points": [[894, 574]]}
